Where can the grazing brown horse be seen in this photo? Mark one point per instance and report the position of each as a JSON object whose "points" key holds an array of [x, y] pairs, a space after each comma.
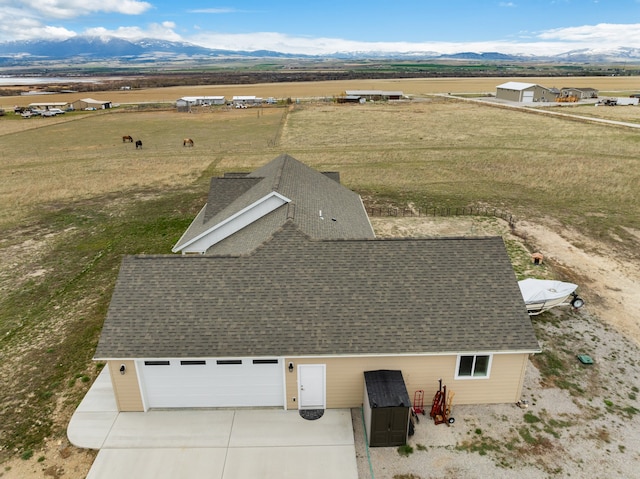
{"points": [[187, 142], [138, 144], [127, 138]]}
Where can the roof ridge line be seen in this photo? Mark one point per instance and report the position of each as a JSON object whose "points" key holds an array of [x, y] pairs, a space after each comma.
{"points": [[278, 177]]}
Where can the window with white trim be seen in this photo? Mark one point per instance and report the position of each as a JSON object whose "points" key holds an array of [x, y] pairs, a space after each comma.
{"points": [[473, 366]]}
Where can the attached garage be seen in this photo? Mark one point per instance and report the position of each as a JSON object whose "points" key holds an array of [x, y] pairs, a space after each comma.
{"points": [[245, 382]]}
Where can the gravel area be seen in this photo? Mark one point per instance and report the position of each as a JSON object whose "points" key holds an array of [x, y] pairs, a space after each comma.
{"points": [[586, 427], [580, 421]]}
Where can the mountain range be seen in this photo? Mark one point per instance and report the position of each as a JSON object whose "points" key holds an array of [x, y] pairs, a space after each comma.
{"points": [[82, 48]]}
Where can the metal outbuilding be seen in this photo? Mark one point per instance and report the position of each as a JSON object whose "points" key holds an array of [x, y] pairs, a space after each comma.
{"points": [[90, 103], [524, 92], [375, 95], [187, 102]]}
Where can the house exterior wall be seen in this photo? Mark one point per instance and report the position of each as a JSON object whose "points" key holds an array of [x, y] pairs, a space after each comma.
{"points": [[541, 93], [579, 93], [345, 378], [126, 387]]}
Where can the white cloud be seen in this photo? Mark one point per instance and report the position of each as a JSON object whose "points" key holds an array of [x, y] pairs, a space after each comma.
{"points": [[549, 42], [608, 33], [36, 19], [162, 31], [16, 24], [62, 9]]}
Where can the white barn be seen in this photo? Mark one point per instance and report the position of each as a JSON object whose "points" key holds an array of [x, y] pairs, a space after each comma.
{"points": [[187, 102]]}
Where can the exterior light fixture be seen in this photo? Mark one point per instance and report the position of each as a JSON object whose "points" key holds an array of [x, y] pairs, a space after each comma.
{"points": [[123, 369], [290, 367]]}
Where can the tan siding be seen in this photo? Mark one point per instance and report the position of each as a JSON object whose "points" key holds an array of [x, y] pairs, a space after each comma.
{"points": [[345, 379], [125, 386], [509, 95], [504, 385]]}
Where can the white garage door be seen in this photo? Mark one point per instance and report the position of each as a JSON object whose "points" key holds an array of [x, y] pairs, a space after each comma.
{"points": [[212, 383], [527, 97]]}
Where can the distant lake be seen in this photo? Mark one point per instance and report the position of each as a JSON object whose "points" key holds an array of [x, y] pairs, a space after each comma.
{"points": [[7, 80]]}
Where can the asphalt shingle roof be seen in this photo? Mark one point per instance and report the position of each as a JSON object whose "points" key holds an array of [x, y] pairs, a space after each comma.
{"points": [[320, 206], [298, 296]]}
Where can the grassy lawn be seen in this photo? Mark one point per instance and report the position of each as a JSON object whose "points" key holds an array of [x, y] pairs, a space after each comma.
{"points": [[74, 199]]}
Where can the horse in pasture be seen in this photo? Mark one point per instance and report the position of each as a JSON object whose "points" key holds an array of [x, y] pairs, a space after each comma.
{"points": [[127, 138], [138, 144], [187, 142]]}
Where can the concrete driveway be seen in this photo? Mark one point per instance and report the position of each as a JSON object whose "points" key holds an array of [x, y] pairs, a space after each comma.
{"points": [[211, 443]]}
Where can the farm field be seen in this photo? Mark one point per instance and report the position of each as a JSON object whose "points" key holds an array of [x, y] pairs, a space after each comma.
{"points": [[303, 90], [74, 198]]}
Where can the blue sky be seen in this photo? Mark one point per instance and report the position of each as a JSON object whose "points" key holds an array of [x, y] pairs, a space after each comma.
{"points": [[445, 26]]}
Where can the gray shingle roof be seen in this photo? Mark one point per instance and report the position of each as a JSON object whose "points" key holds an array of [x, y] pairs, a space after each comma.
{"points": [[298, 296], [311, 193]]}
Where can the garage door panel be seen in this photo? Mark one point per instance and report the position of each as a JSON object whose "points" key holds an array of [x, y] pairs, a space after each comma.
{"points": [[221, 383]]}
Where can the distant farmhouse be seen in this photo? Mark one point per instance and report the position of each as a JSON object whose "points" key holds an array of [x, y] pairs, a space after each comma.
{"points": [[530, 92], [579, 93]]}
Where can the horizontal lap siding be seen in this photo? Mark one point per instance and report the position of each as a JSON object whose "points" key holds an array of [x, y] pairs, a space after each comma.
{"points": [[503, 386], [125, 386], [345, 378]]}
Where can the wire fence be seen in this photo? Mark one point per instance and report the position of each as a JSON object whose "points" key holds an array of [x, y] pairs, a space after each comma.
{"points": [[383, 211]]}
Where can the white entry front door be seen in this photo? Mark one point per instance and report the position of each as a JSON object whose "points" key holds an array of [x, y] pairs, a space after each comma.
{"points": [[311, 386]]}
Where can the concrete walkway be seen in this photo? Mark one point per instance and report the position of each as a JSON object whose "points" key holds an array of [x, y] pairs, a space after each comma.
{"points": [[211, 443]]}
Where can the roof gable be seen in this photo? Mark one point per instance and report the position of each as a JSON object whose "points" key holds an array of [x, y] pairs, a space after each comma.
{"points": [[313, 200]]}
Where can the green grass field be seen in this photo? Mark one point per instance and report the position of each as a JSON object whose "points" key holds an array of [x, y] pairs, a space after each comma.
{"points": [[74, 199]]}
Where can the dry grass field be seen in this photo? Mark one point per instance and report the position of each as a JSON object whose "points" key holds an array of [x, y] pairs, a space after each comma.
{"points": [[627, 113], [434, 151], [83, 154], [74, 198]]}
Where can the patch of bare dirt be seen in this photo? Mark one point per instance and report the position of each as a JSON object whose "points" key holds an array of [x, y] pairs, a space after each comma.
{"points": [[611, 280], [57, 460]]}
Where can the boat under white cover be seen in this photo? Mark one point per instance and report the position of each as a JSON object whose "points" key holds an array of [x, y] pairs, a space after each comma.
{"points": [[542, 294]]}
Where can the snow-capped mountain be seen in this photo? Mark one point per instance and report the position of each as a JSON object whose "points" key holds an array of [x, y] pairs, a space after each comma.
{"points": [[595, 55], [94, 48], [83, 48]]}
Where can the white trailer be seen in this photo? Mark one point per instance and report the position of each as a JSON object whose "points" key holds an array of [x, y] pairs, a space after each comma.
{"points": [[627, 101]]}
